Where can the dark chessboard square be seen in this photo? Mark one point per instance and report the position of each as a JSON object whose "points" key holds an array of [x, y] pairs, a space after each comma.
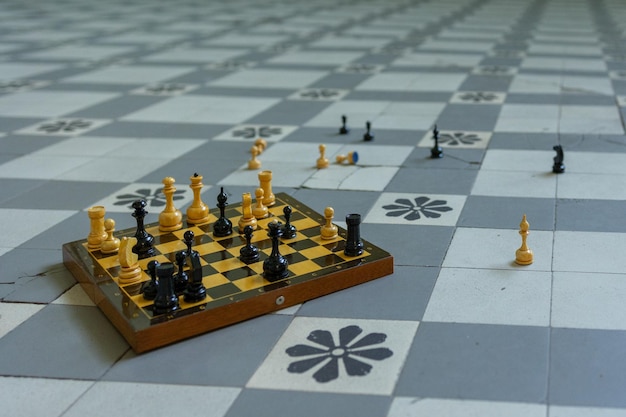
{"points": [[302, 244], [242, 272], [166, 238], [115, 271], [328, 260], [311, 232], [217, 256], [294, 258], [223, 290], [229, 242]]}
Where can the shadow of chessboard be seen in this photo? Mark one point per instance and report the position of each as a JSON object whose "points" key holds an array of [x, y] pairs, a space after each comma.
{"points": [[235, 291]]}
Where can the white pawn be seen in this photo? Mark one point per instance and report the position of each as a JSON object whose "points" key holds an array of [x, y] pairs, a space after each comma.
{"points": [[329, 230], [322, 161], [260, 211], [111, 244], [254, 163]]}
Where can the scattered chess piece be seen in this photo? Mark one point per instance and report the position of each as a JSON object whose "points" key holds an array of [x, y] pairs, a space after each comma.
{"points": [[97, 234], [222, 226], [328, 230], [524, 256], [131, 272], [436, 151], [249, 253], [289, 230], [261, 144], [368, 136], [354, 245], [558, 167], [195, 291], [144, 247], [344, 129], [351, 158], [170, 218], [197, 212], [166, 300], [254, 163], [260, 211], [247, 218], [265, 178], [111, 244], [322, 161], [275, 266], [149, 288]]}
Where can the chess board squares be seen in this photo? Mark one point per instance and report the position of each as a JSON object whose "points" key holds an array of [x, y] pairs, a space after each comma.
{"points": [[416, 209], [262, 78], [402, 81], [63, 126], [202, 109], [437, 59], [47, 104], [129, 74], [22, 225], [316, 58], [79, 52], [457, 139]]}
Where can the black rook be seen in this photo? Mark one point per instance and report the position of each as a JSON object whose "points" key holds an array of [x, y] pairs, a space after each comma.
{"points": [[354, 245]]}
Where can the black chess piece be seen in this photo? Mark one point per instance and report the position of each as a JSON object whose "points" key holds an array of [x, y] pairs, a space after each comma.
{"points": [[436, 151], [249, 253], [558, 167], [181, 278], [166, 300], [149, 289], [275, 266], [222, 227], [368, 136], [288, 230], [144, 247], [195, 291], [344, 129], [354, 245]]}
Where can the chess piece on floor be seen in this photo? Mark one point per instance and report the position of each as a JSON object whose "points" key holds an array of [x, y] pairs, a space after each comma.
{"points": [[265, 178], [351, 158], [197, 212], [170, 218], [436, 151], [111, 244], [368, 136], [524, 256], [247, 218], [166, 300], [322, 161], [261, 145], [129, 262], [344, 129], [260, 211], [558, 167], [275, 266], [289, 230], [97, 235], [254, 163], [249, 253], [354, 245], [149, 289], [328, 230], [222, 226], [144, 247]]}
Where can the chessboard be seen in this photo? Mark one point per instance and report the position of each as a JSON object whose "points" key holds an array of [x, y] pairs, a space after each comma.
{"points": [[100, 101], [236, 291]]}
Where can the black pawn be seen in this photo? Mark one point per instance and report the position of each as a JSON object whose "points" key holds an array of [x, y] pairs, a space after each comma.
{"points": [[249, 253], [289, 230], [222, 227], [181, 279], [436, 151], [145, 240], [354, 245], [195, 291], [367, 137], [149, 289], [166, 300], [275, 267], [344, 129], [559, 166]]}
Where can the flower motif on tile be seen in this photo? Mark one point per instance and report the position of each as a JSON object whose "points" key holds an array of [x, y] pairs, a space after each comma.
{"points": [[414, 210], [165, 89], [320, 94], [69, 125], [250, 132], [507, 53], [155, 198], [494, 70], [354, 354], [478, 96], [458, 138]]}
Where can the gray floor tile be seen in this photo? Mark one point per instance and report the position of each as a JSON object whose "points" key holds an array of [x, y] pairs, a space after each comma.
{"points": [[44, 288], [486, 83], [24, 263], [433, 180], [343, 202], [461, 159], [159, 130], [401, 296], [10, 124], [12, 188], [23, 144], [399, 96], [477, 117], [243, 92], [266, 403], [482, 362], [342, 81], [599, 376], [590, 215], [90, 87], [117, 107], [225, 357], [62, 342], [525, 141], [69, 230], [506, 212], [291, 112]]}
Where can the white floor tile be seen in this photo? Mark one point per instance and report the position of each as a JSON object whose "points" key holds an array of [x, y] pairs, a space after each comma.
{"points": [[596, 163], [455, 45], [591, 186], [509, 160], [246, 40], [425, 59], [113, 169], [262, 78], [589, 252], [412, 82], [41, 167], [516, 184], [590, 119], [22, 70], [48, 104], [79, 52], [196, 55], [372, 351], [562, 411], [284, 175], [351, 177], [347, 42], [416, 209], [316, 58], [495, 249], [528, 118], [514, 297], [84, 146], [441, 407], [14, 314], [142, 37], [129, 74], [74, 296]]}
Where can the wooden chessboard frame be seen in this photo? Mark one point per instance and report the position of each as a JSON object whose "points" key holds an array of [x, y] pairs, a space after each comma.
{"points": [[144, 333]]}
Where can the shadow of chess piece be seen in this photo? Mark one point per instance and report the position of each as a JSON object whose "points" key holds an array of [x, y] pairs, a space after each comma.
{"points": [[558, 167]]}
